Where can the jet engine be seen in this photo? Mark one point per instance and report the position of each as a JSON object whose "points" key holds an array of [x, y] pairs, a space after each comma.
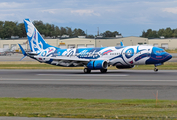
{"points": [[97, 65]]}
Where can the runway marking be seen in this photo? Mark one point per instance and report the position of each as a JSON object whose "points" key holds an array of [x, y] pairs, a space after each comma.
{"points": [[84, 80], [87, 75]]}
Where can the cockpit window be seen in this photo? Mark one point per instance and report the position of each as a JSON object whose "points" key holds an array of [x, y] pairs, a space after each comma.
{"points": [[160, 51]]}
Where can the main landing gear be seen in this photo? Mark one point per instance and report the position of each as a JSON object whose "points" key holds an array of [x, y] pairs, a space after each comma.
{"points": [[86, 70], [103, 70]]}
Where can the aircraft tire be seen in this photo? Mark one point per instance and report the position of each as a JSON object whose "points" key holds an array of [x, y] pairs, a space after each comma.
{"points": [[156, 69], [103, 70], [86, 70]]}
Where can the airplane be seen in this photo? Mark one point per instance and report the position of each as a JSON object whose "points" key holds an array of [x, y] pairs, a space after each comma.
{"points": [[99, 58]]}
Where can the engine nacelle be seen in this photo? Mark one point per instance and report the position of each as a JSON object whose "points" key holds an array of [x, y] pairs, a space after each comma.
{"points": [[97, 65], [124, 66]]}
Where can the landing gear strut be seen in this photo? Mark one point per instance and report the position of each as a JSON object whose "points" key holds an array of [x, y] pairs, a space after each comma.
{"points": [[86, 70], [156, 69]]}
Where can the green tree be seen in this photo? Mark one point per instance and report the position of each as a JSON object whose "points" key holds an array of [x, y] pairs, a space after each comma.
{"points": [[174, 33], [57, 31], [161, 32], [106, 34], [48, 28], [40, 27], [168, 33], [63, 31], [78, 32], [10, 29], [81, 32], [115, 33], [152, 34], [22, 31], [110, 34], [69, 31], [90, 36], [1, 29], [143, 34]]}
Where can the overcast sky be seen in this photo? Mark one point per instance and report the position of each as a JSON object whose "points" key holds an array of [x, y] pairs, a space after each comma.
{"points": [[129, 17]]}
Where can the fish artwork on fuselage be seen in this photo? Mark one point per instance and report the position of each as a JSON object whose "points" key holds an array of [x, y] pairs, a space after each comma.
{"points": [[92, 58]]}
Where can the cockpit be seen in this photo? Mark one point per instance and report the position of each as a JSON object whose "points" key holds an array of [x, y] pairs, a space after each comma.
{"points": [[159, 55], [158, 51]]}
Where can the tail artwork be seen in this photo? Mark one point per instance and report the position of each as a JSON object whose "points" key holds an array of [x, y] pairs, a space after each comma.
{"points": [[99, 58], [36, 42]]}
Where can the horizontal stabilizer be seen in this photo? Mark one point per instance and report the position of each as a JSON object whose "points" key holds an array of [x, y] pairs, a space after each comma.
{"points": [[23, 51], [32, 53]]}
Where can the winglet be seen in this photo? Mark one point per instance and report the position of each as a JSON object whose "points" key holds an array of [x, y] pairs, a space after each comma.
{"points": [[121, 43], [23, 51]]}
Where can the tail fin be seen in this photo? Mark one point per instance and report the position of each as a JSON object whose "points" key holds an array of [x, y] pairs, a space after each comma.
{"points": [[36, 42], [121, 43]]}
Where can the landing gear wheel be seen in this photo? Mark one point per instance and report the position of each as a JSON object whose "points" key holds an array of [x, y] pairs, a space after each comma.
{"points": [[103, 70], [86, 70], [156, 69]]}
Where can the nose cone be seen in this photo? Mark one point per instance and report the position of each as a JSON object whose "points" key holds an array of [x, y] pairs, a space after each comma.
{"points": [[167, 57]]}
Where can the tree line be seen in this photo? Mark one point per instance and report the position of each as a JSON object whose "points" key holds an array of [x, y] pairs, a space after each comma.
{"points": [[167, 33], [10, 28]]}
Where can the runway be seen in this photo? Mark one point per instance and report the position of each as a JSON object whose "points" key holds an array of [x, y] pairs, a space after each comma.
{"points": [[116, 84]]}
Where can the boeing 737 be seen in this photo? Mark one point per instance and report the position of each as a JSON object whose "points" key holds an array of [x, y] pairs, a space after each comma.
{"points": [[92, 58]]}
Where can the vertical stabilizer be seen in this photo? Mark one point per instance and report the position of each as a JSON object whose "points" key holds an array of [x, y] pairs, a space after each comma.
{"points": [[36, 42], [121, 44]]}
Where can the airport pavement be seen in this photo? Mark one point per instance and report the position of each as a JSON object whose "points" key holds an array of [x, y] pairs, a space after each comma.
{"points": [[116, 84], [15, 57]]}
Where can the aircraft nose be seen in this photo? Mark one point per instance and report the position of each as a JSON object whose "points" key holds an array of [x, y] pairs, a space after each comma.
{"points": [[168, 56]]}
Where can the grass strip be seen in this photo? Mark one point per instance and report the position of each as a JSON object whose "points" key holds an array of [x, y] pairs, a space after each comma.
{"points": [[171, 51], [88, 108], [37, 65]]}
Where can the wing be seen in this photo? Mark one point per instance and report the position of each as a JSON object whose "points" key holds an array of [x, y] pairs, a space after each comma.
{"points": [[64, 58], [72, 61]]}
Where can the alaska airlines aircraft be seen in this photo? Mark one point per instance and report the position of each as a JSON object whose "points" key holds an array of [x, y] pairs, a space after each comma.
{"points": [[92, 58]]}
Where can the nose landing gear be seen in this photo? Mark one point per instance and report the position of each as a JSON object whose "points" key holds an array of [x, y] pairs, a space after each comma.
{"points": [[156, 69]]}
